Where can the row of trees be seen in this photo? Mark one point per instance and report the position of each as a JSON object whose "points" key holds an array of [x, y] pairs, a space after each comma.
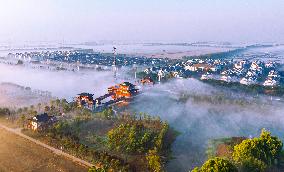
{"points": [[251, 155]]}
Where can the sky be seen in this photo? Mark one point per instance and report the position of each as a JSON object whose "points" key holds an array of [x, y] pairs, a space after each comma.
{"points": [[145, 20]]}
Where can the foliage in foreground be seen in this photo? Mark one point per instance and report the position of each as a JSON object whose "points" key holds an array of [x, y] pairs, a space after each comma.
{"points": [[259, 152], [251, 155]]}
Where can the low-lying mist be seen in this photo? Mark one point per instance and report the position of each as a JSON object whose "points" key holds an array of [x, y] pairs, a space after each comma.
{"points": [[62, 84], [196, 110]]}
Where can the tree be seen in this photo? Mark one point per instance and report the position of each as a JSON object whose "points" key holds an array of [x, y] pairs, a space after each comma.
{"points": [[5, 111], [259, 152], [217, 165], [20, 62], [22, 119], [57, 102], [252, 165], [39, 106], [46, 108], [154, 161], [273, 146], [20, 110], [64, 101], [52, 102], [26, 109], [32, 107], [131, 138], [108, 113]]}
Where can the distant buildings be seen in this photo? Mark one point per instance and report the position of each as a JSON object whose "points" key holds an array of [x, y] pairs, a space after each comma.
{"points": [[83, 56], [242, 71], [245, 72]]}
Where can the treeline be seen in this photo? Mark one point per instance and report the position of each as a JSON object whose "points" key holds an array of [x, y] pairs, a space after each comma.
{"points": [[259, 154]]}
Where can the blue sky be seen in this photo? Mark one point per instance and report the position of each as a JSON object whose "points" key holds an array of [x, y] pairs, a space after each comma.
{"points": [[151, 20]]}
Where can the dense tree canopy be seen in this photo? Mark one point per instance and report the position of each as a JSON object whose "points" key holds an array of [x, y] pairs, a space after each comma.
{"points": [[131, 138], [217, 165]]}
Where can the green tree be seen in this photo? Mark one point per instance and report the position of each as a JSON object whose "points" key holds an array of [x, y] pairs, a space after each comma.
{"points": [[131, 138], [259, 152], [217, 165], [154, 161], [252, 165]]}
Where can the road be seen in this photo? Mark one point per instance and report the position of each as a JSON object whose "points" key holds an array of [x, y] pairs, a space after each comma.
{"points": [[18, 132]]}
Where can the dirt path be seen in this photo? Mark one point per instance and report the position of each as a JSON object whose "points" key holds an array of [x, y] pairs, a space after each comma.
{"points": [[43, 159]]}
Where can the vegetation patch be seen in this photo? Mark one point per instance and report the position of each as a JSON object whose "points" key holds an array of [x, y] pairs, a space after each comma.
{"points": [[112, 142]]}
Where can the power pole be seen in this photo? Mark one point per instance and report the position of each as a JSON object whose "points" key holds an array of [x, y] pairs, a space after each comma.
{"points": [[114, 63]]}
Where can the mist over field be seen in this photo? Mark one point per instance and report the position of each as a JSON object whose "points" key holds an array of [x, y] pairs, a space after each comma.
{"points": [[62, 84]]}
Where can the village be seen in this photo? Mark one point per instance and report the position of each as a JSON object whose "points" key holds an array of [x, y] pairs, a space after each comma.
{"points": [[245, 72], [82, 57]]}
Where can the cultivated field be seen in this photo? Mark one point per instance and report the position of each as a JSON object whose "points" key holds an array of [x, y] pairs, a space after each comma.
{"points": [[20, 155]]}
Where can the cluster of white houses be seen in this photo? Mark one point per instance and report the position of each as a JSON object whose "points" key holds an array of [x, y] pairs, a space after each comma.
{"points": [[243, 71]]}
